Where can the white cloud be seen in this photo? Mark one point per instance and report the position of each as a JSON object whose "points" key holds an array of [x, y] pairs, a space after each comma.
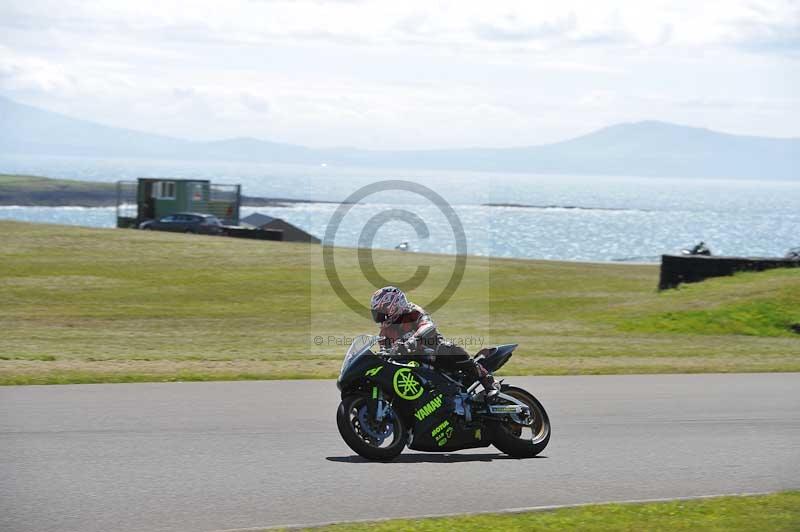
{"points": [[28, 73], [405, 74]]}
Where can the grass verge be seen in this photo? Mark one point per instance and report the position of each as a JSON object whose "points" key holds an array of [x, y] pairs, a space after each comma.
{"points": [[775, 512], [107, 305]]}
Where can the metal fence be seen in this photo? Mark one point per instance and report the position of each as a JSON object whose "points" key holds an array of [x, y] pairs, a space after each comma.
{"points": [[222, 201], [127, 204]]}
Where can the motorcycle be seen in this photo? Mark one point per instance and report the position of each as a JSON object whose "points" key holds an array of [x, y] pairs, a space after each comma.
{"points": [[699, 249], [388, 404]]}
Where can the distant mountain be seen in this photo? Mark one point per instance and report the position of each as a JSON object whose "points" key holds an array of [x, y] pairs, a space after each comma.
{"points": [[636, 149], [26, 129]]}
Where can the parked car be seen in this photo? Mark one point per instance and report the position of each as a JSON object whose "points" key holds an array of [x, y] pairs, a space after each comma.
{"points": [[186, 222]]}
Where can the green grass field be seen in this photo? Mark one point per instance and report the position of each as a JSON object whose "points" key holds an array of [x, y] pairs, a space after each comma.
{"points": [[111, 305], [775, 512]]}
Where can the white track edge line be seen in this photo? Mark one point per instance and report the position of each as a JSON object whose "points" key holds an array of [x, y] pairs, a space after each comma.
{"points": [[523, 509]]}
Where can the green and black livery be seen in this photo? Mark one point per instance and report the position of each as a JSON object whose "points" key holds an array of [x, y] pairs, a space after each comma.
{"points": [[388, 404]]}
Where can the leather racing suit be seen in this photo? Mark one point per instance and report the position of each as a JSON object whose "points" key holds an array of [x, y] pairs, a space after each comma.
{"points": [[430, 346]]}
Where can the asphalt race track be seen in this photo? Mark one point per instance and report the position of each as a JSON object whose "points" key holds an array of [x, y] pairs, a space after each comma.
{"points": [[225, 455]]}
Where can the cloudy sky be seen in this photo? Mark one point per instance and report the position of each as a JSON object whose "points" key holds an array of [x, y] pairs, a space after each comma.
{"points": [[406, 74]]}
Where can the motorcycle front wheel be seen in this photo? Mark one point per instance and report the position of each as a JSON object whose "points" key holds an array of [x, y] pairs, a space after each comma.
{"points": [[375, 440], [523, 438]]}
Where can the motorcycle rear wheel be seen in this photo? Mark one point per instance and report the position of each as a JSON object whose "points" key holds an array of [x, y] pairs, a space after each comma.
{"points": [[524, 440], [359, 438]]}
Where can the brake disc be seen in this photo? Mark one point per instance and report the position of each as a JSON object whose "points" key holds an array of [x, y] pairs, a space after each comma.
{"points": [[378, 430]]}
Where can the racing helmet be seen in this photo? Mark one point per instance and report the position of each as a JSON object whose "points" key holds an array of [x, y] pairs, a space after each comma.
{"points": [[388, 304]]}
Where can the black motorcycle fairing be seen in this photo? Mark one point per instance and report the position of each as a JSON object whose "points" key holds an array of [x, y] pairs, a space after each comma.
{"points": [[357, 370], [449, 434], [429, 410], [494, 358]]}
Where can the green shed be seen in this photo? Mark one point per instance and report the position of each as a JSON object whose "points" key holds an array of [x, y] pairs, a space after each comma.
{"points": [[151, 198]]}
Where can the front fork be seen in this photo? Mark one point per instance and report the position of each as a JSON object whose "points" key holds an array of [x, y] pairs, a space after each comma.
{"points": [[378, 406]]}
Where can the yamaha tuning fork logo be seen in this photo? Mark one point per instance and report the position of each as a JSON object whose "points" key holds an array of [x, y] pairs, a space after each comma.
{"points": [[370, 230]]}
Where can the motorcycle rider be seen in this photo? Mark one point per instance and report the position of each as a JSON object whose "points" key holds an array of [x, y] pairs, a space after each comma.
{"points": [[403, 321], [701, 249]]}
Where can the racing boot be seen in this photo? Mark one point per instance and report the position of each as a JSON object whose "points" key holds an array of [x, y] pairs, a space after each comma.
{"points": [[491, 386]]}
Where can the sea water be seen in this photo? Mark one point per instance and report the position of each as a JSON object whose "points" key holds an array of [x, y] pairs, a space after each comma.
{"points": [[595, 218]]}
